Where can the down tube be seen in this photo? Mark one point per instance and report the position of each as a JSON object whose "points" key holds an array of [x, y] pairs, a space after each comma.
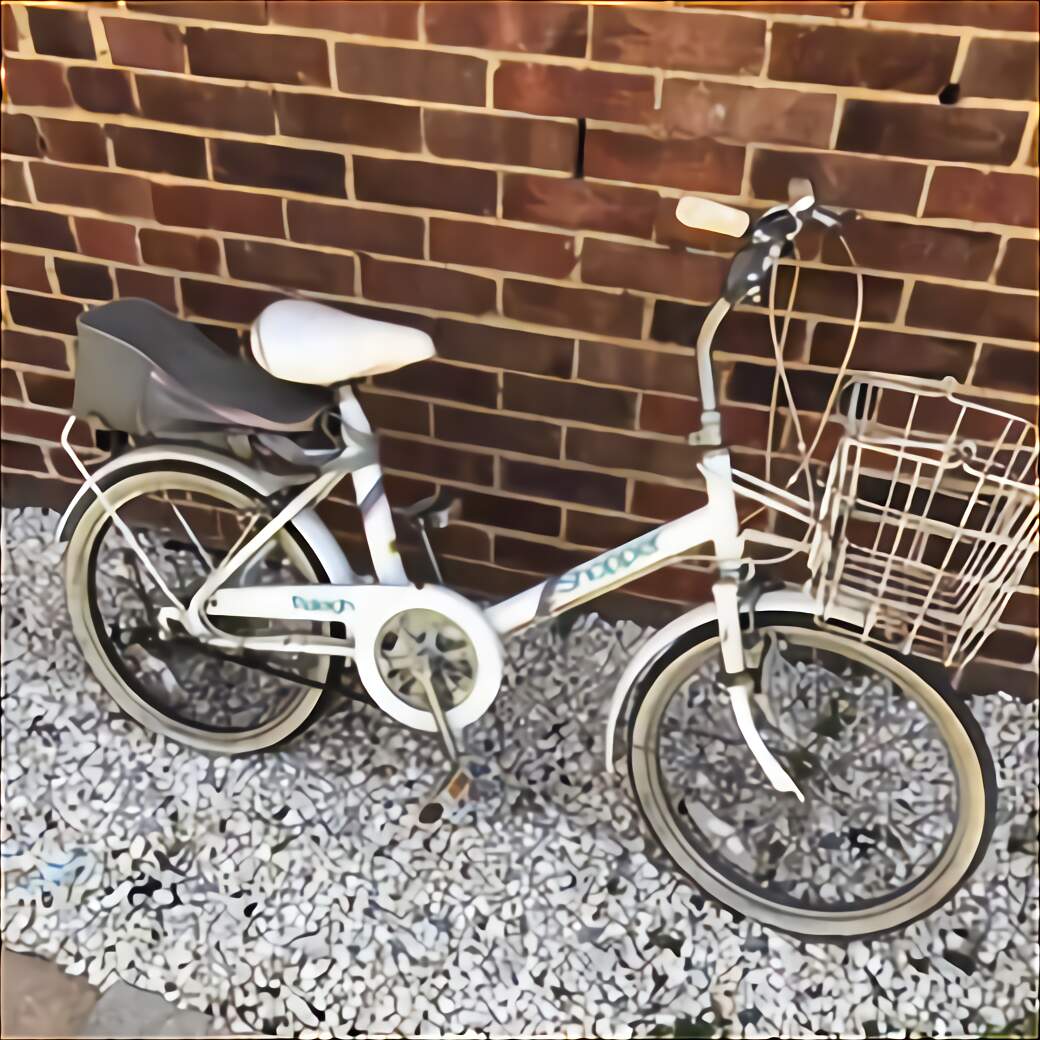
{"points": [[608, 571]]}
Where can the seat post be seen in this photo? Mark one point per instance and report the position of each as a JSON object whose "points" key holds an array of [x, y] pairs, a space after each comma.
{"points": [[371, 498]]}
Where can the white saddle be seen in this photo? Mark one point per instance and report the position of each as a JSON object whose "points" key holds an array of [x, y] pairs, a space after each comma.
{"points": [[307, 342]]}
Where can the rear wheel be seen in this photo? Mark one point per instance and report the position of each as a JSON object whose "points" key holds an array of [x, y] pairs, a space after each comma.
{"points": [[186, 519], [899, 785]]}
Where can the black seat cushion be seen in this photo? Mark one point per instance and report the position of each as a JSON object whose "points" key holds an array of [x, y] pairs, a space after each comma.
{"points": [[230, 391]]}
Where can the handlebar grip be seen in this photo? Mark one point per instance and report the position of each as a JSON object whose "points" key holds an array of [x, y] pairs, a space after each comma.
{"points": [[706, 215]]}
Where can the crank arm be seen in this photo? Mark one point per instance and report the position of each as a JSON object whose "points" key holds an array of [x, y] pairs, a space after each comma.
{"points": [[452, 787], [775, 773]]}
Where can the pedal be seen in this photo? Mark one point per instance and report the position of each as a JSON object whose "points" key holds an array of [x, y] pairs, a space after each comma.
{"points": [[453, 786], [435, 511], [448, 793]]}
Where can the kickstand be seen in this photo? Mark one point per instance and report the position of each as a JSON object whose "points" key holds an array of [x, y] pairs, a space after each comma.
{"points": [[453, 785]]}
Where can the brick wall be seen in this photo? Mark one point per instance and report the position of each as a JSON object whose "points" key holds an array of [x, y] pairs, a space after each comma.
{"points": [[504, 176]]}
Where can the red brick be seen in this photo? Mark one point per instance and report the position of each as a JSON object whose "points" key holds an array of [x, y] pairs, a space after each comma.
{"points": [[678, 39], [559, 90], [25, 271], [821, 291], [637, 368], [398, 19], [1017, 15], [620, 451], [251, 12], [186, 205], [83, 280], [503, 248], [882, 350], [1019, 266], [190, 102], [13, 184], [18, 455], [728, 110], [510, 349], [600, 530], [11, 388], [274, 166], [286, 265], [373, 124], [44, 426], [391, 412], [30, 81], [672, 272], [916, 63], [566, 400], [28, 349], [499, 139], [44, 312], [102, 90], [541, 557], [9, 29], [493, 430], [158, 288], [987, 198], [262, 57], [107, 239], [31, 226], [741, 333], [1001, 69], [931, 131], [353, 228], [1004, 368], [48, 391], [840, 180], [231, 303], [77, 142], [61, 32], [432, 287], [973, 311], [145, 45], [753, 384], [436, 460], [698, 165], [483, 580], [566, 485], [535, 28], [158, 151], [676, 416], [618, 314], [179, 251], [437, 379], [563, 202], [19, 136], [950, 252], [112, 193], [456, 79], [404, 183]]}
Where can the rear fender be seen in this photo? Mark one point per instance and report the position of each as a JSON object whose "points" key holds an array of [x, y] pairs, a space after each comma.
{"points": [[790, 600], [310, 526]]}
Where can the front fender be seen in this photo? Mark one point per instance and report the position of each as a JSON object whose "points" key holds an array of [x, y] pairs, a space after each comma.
{"points": [[791, 601], [307, 523]]}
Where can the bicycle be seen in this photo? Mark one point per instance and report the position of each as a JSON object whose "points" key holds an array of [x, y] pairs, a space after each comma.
{"points": [[797, 752]]}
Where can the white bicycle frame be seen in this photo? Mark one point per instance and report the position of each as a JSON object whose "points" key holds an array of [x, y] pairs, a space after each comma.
{"points": [[715, 524]]}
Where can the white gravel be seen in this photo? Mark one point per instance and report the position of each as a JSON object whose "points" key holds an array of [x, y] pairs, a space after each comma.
{"points": [[290, 893]]}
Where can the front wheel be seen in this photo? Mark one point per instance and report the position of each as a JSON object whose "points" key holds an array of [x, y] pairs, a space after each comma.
{"points": [[899, 784]]}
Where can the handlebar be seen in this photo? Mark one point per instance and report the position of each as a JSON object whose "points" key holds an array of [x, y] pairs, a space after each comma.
{"points": [[771, 236]]}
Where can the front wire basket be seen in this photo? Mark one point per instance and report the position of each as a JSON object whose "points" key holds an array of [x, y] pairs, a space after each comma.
{"points": [[929, 516]]}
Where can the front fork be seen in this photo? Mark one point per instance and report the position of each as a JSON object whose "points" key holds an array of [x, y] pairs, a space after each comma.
{"points": [[738, 681]]}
